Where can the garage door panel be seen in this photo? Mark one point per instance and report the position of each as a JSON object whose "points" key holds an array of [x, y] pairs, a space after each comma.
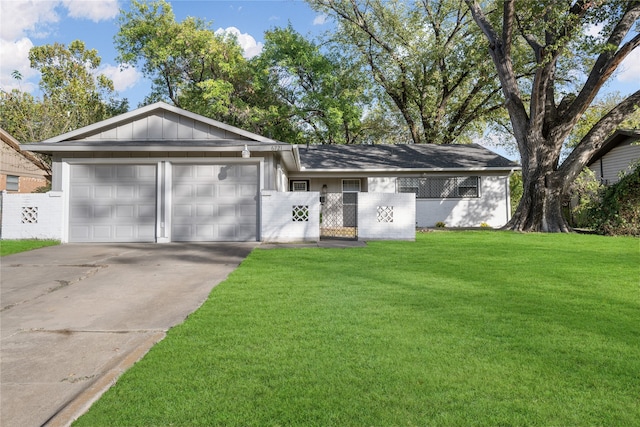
{"points": [[205, 190], [103, 192], [126, 191], [147, 212], [205, 210], [101, 212], [228, 190], [214, 193], [112, 203], [104, 172], [147, 192], [227, 210], [126, 211]]}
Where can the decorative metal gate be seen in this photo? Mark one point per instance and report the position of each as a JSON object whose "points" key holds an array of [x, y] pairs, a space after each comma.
{"points": [[339, 218]]}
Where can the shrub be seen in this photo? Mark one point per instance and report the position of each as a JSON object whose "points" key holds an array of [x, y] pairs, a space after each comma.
{"points": [[619, 212], [515, 189], [586, 192], [440, 224]]}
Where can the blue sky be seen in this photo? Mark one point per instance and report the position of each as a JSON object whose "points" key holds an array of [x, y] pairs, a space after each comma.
{"points": [[28, 23], [24, 24]]}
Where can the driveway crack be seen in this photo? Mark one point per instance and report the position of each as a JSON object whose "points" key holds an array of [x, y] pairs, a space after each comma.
{"points": [[93, 269]]}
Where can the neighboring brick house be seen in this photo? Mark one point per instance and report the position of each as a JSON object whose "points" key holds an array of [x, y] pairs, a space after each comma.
{"points": [[20, 171]]}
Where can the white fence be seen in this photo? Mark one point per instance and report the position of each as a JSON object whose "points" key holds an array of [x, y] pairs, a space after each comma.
{"points": [[290, 217], [32, 216], [286, 216], [295, 216], [386, 216]]}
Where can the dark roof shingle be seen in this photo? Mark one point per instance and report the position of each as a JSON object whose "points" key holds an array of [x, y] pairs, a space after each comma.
{"points": [[401, 156]]}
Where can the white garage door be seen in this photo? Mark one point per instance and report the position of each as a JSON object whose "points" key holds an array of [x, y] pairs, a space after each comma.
{"points": [[214, 203], [112, 203]]}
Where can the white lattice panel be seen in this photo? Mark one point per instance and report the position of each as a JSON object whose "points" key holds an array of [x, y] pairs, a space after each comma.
{"points": [[385, 213]]}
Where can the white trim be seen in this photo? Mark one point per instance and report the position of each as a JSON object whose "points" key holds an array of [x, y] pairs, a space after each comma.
{"points": [[351, 191], [163, 199], [66, 189]]}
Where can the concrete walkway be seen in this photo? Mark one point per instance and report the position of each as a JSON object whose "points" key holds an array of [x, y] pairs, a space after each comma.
{"points": [[74, 317]]}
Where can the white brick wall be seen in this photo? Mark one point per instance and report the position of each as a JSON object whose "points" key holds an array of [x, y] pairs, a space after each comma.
{"points": [[386, 216], [283, 216], [32, 216]]}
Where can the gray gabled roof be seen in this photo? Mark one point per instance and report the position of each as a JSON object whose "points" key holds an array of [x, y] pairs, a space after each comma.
{"points": [[423, 157]]}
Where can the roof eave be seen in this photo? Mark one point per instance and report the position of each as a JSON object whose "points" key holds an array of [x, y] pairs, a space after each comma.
{"points": [[414, 170], [225, 146]]}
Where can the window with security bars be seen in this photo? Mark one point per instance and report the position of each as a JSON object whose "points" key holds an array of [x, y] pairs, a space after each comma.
{"points": [[441, 187]]}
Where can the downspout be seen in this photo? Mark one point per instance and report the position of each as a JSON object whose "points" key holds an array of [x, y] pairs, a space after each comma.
{"points": [[508, 194]]}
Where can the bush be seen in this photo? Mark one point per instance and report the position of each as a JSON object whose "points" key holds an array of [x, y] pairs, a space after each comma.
{"points": [[619, 212], [440, 224], [586, 192]]}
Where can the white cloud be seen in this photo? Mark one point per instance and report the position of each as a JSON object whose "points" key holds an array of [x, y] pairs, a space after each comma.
{"points": [[20, 17], [24, 20], [248, 44], [123, 77], [95, 10], [629, 70], [594, 30], [15, 57], [320, 19]]}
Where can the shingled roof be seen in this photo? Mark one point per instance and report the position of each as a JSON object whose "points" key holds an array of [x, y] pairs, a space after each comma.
{"points": [[402, 157]]}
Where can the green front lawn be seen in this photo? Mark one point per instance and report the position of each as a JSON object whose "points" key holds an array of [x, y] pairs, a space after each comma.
{"points": [[457, 328], [8, 247]]}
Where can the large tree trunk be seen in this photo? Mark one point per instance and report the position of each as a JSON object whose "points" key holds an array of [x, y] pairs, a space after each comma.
{"points": [[540, 208]]}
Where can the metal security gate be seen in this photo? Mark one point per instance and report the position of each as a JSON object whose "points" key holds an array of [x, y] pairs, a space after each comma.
{"points": [[339, 218]]}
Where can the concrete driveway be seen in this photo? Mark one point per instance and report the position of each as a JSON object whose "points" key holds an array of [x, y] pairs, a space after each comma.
{"points": [[74, 317]]}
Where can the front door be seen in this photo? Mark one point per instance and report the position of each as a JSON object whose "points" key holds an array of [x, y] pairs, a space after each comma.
{"points": [[339, 218]]}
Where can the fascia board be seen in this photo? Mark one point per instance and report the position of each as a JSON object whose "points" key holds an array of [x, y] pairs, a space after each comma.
{"points": [[82, 146], [412, 170]]}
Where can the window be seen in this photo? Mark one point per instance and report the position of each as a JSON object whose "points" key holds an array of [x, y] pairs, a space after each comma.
{"points": [[299, 185], [350, 185], [441, 187], [13, 183]]}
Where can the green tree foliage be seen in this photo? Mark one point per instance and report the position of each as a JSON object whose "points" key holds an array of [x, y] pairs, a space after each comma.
{"points": [[596, 112], [515, 189], [189, 65], [319, 91], [586, 195], [428, 60], [193, 68], [71, 85], [619, 212], [73, 94], [545, 109]]}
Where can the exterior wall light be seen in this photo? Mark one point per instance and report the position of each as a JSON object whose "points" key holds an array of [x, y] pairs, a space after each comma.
{"points": [[245, 152]]}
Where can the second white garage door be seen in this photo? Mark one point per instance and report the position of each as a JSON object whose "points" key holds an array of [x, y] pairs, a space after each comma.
{"points": [[214, 203], [112, 203]]}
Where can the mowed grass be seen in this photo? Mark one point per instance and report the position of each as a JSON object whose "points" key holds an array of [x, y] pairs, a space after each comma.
{"points": [[457, 328], [8, 247]]}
